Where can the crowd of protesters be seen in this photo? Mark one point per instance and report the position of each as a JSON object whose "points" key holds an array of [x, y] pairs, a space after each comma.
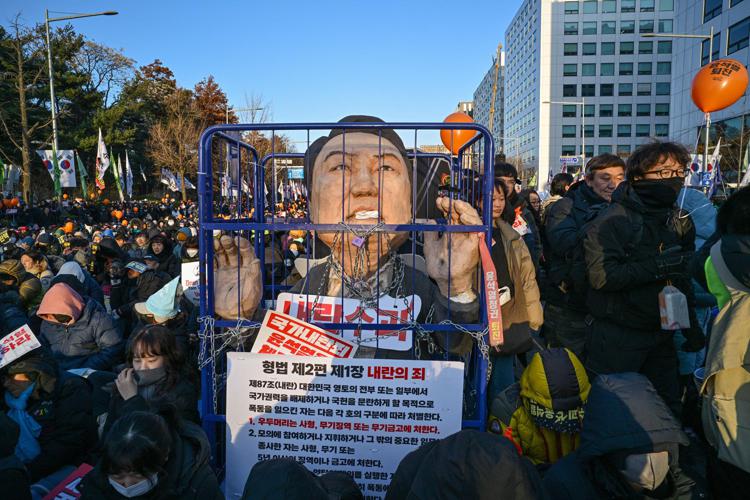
{"points": [[589, 397]]}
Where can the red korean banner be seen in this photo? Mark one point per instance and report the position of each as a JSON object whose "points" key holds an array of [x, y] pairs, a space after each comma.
{"points": [[284, 334], [16, 344], [492, 298]]}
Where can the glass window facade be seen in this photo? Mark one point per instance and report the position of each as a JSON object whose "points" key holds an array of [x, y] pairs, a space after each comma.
{"points": [[738, 36]]}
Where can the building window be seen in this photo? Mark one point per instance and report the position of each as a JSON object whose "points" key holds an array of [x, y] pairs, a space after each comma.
{"points": [[607, 69], [571, 7], [645, 68], [732, 3], [661, 109], [664, 68], [588, 90], [624, 130], [738, 35], [603, 149], [589, 28], [588, 69], [623, 149], [609, 6], [568, 150], [711, 9], [665, 26], [627, 5], [664, 47], [646, 26], [570, 49], [626, 69], [588, 49], [588, 151], [645, 47], [606, 90], [627, 27], [571, 28], [609, 27], [570, 90], [608, 48], [589, 6], [642, 130], [643, 89], [570, 69], [643, 110], [705, 47], [647, 5], [568, 131], [625, 89], [666, 5], [589, 110], [624, 110], [605, 110], [663, 88], [589, 130], [661, 130], [570, 110], [605, 130], [627, 48]]}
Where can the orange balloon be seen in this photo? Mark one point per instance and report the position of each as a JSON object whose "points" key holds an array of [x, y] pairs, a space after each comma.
{"points": [[124, 222], [65, 196], [106, 201], [14, 202], [455, 139], [135, 209], [68, 227], [719, 84], [92, 196]]}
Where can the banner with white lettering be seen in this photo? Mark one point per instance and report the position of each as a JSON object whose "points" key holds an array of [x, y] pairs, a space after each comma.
{"points": [[284, 334], [330, 310], [360, 416], [16, 344]]}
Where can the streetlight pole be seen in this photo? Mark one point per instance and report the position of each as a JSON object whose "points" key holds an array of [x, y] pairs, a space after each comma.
{"points": [[53, 103], [582, 104], [710, 38]]}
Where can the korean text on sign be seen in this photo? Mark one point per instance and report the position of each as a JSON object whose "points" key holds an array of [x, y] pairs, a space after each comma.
{"points": [[284, 334]]}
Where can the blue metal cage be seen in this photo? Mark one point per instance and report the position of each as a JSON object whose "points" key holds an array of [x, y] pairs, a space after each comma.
{"points": [[244, 214]]}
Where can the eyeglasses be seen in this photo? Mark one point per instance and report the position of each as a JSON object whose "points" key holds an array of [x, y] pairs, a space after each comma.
{"points": [[668, 173]]}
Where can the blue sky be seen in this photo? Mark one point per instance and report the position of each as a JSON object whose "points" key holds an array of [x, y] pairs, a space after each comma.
{"points": [[311, 61]]}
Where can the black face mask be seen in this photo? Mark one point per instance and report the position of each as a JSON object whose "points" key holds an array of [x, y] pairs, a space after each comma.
{"points": [[659, 192]]}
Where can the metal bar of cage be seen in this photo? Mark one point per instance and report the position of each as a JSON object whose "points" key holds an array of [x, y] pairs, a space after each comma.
{"points": [[208, 223]]}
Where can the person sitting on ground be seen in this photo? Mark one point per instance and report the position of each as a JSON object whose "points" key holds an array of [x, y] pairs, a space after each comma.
{"points": [[558, 188], [13, 274], [36, 264], [543, 412], [53, 410], [149, 455], [156, 374], [138, 284], [467, 464], [629, 446], [287, 479], [13, 475], [79, 279], [161, 247], [165, 307], [78, 330]]}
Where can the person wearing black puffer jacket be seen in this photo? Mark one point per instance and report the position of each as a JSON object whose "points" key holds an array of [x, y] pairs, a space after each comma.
{"points": [[629, 447], [153, 456], [638, 245], [12, 315], [161, 248]]}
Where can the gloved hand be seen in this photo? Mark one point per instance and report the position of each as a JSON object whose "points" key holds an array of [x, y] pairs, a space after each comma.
{"points": [[696, 340], [673, 264]]}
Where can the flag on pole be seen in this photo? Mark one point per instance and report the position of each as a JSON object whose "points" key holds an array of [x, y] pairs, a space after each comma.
{"points": [[2, 175], [120, 172], [140, 165], [82, 174], [102, 162], [128, 176], [116, 174], [170, 180], [61, 166]]}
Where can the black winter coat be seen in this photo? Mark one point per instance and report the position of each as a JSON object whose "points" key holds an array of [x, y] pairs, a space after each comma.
{"points": [[12, 315], [623, 414], [566, 221], [621, 246], [188, 474], [168, 262], [62, 406]]}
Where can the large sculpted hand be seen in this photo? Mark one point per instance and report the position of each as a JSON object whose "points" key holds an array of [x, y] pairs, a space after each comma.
{"points": [[462, 247], [238, 285]]}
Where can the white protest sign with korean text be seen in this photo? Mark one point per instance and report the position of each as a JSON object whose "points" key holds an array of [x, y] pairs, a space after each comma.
{"points": [[360, 416], [16, 344], [284, 334], [190, 279], [330, 310]]}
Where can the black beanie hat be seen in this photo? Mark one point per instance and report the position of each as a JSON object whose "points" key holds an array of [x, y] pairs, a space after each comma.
{"points": [[386, 133]]}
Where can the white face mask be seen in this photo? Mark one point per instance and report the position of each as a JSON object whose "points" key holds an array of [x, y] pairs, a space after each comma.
{"points": [[137, 489], [191, 252]]}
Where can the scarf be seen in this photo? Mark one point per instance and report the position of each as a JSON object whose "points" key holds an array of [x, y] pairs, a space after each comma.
{"points": [[27, 448]]}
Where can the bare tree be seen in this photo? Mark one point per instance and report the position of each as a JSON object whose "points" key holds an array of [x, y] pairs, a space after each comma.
{"points": [[173, 141], [108, 69]]}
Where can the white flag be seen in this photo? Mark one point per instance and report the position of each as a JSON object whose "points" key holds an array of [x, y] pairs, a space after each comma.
{"points": [[128, 176], [65, 161], [102, 162], [169, 179]]}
